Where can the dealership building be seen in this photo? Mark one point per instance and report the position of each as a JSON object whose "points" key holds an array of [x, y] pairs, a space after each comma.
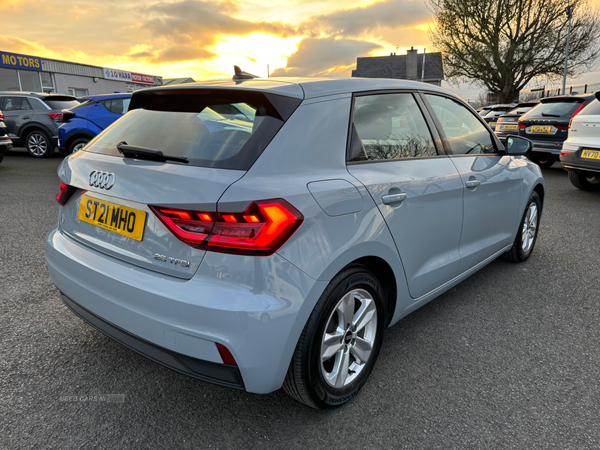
{"points": [[34, 74]]}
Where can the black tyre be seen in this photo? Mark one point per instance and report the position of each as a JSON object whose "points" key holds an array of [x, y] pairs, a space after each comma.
{"points": [[527, 232], [39, 145], [544, 163], [584, 183], [78, 144], [340, 342]]}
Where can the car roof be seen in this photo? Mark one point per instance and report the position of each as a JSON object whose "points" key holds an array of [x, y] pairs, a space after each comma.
{"points": [[41, 95], [583, 97], [305, 88], [107, 96]]}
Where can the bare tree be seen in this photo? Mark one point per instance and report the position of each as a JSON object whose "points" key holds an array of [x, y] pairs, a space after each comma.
{"points": [[504, 44]]}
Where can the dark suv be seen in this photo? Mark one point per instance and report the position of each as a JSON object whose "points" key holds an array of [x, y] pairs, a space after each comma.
{"points": [[547, 125], [32, 119]]}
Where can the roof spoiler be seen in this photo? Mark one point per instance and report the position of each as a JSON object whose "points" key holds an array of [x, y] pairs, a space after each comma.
{"points": [[239, 74], [598, 95]]}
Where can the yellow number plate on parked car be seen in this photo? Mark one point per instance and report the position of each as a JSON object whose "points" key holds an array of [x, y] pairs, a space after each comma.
{"points": [[590, 154], [510, 127], [541, 129], [110, 216]]}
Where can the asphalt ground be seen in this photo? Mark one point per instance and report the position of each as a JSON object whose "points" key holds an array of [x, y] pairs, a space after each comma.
{"points": [[507, 359]]}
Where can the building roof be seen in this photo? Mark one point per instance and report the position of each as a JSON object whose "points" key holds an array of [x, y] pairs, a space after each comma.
{"points": [[394, 66], [173, 81]]}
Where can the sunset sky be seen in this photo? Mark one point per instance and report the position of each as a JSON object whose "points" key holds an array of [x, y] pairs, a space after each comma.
{"points": [[203, 39]]}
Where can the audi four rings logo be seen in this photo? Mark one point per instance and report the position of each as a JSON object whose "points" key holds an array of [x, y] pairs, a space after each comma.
{"points": [[103, 180]]}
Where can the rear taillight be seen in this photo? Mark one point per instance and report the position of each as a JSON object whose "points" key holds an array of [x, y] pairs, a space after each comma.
{"points": [[66, 115], [563, 152], [1, 117], [499, 120], [260, 230], [522, 126], [575, 113], [57, 117], [64, 193]]}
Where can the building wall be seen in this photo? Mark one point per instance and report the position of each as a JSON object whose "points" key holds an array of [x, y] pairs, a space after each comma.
{"points": [[63, 82]]}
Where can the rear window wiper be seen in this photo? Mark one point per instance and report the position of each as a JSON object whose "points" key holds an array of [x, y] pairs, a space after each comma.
{"points": [[550, 115], [131, 151]]}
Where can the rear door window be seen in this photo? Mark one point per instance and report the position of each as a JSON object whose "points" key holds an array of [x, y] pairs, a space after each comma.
{"points": [[390, 126], [185, 124], [117, 105], [16, 104]]}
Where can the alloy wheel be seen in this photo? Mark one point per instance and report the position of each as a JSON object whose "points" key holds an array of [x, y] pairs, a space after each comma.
{"points": [[529, 227], [37, 144], [348, 339]]}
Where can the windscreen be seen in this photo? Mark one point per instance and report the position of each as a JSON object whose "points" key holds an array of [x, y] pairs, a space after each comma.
{"points": [[61, 104], [553, 109], [187, 126]]}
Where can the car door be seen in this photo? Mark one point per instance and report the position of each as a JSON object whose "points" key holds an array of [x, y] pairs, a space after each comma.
{"points": [[105, 112], [17, 112], [492, 181], [399, 158]]}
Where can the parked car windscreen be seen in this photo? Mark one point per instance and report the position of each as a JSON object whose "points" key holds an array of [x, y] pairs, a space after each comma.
{"points": [[186, 126]]}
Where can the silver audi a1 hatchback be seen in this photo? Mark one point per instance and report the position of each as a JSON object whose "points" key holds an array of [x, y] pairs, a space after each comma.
{"points": [[273, 249]]}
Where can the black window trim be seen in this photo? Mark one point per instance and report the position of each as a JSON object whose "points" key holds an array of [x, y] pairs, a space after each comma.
{"points": [[496, 142], [437, 140]]}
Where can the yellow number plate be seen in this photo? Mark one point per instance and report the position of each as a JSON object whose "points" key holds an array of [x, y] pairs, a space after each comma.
{"points": [[493, 124], [110, 216], [590, 154], [541, 129], [510, 127]]}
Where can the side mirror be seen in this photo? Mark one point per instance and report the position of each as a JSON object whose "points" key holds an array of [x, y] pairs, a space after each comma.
{"points": [[518, 146], [597, 94]]}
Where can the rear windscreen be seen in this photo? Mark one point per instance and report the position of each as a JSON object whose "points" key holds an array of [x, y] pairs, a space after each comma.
{"points": [[61, 104], [188, 125], [553, 109]]}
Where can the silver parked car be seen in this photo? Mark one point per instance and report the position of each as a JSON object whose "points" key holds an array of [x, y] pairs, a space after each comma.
{"points": [[275, 254]]}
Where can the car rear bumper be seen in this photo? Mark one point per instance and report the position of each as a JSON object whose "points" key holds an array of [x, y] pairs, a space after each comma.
{"points": [[578, 164], [221, 374], [5, 144], [256, 307]]}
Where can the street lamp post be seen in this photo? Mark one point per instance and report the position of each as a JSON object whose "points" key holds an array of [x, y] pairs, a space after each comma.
{"points": [[569, 13]]}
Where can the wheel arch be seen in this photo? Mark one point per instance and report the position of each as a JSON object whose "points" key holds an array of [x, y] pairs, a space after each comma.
{"points": [[540, 191], [76, 135], [28, 128]]}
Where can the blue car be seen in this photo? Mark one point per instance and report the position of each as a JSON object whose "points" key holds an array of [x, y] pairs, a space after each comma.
{"points": [[83, 122]]}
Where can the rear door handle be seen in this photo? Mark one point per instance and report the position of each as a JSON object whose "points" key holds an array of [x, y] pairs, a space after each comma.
{"points": [[25, 118], [472, 183], [393, 198]]}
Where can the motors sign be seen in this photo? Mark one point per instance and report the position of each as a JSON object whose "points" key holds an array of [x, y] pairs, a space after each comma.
{"points": [[119, 75], [16, 61], [139, 78]]}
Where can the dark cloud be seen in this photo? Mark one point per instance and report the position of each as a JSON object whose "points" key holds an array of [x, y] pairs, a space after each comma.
{"points": [[141, 55], [315, 57], [367, 19]]}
